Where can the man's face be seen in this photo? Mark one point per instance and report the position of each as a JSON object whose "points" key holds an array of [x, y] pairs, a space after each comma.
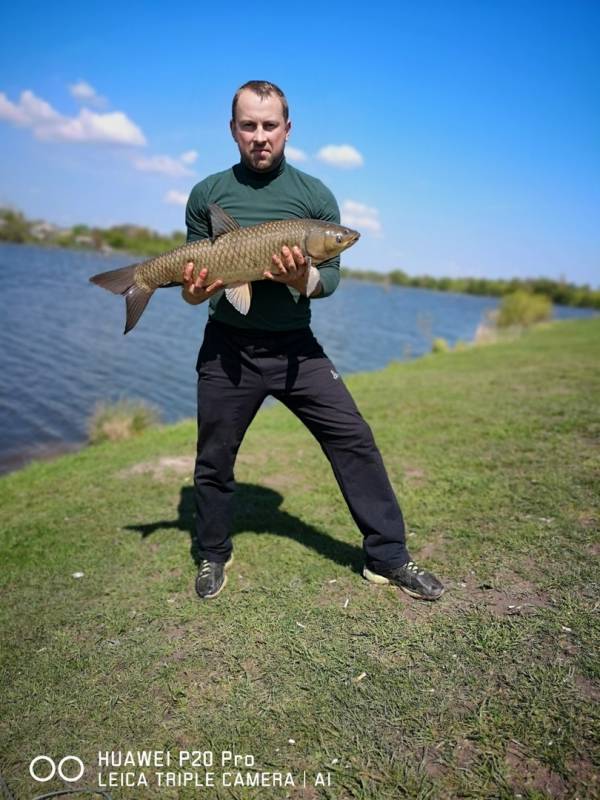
{"points": [[260, 130]]}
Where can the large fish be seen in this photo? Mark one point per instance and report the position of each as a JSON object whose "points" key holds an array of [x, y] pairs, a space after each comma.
{"points": [[234, 255]]}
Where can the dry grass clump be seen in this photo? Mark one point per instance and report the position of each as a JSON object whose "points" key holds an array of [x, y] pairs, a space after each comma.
{"points": [[113, 422]]}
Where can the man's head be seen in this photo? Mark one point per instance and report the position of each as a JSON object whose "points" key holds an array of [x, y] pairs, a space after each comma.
{"points": [[260, 124]]}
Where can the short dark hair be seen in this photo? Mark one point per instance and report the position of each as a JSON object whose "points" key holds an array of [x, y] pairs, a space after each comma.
{"points": [[262, 89]]}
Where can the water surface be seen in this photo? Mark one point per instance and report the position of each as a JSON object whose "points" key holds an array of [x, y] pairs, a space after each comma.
{"points": [[62, 349]]}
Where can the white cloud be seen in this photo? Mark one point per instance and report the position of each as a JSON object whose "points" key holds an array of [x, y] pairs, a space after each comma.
{"points": [[341, 155], [29, 112], [112, 128], [88, 126], [294, 154], [166, 165], [85, 93], [176, 198], [362, 217], [189, 157]]}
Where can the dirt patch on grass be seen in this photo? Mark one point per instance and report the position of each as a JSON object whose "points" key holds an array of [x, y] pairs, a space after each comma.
{"points": [[506, 594], [588, 519], [285, 481], [161, 468], [529, 774], [415, 477], [588, 688], [432, 765], [583, 773], [465, 754], [256, 458]]}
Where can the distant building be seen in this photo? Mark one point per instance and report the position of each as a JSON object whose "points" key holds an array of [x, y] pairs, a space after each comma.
{"points": [[43, 230], [85, 240]]}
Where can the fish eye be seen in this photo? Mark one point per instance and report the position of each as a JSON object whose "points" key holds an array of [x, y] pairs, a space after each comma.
{"points": [[339, 238]]}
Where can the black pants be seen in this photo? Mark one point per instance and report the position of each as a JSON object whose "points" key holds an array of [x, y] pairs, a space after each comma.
{"points": [[236, 370]]}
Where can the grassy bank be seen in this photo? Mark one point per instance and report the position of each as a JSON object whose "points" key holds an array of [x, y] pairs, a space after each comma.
{"points": [[491, 692]]}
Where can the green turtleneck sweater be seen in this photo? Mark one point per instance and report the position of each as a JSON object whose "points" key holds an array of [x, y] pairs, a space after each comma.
{"points": [[253, 197]]}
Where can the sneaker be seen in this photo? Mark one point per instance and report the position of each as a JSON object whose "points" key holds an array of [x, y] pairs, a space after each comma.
{"points": [[410, 578], [211, 578]]}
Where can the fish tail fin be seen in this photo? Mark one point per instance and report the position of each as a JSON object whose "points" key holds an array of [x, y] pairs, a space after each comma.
{"points": [[117, 281], [122, 281]]}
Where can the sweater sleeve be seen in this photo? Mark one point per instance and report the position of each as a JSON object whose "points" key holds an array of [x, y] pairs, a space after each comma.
{"points": [[329, 271], [196, 215]]}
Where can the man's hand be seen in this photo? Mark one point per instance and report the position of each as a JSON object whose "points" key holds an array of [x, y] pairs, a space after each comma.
{"points": [[290, 268], [194, 291]]}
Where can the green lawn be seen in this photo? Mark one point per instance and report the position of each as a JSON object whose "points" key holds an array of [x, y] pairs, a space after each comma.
{"points": [[489, 693]]}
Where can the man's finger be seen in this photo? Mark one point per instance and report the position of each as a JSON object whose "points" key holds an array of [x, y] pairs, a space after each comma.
{"points": [[279, 264], [214, 287], [288, 259], [201, 278], [187, 271], [298, 255]]}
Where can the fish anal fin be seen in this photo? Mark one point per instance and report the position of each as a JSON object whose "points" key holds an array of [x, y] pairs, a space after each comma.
{"points": [[240, 297], [221, 222]]}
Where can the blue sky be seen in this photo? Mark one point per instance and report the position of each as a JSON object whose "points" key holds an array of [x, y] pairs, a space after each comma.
{"points": [[472, 129]]}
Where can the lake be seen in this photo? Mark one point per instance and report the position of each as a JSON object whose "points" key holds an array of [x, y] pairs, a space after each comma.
{"points": [[62, 349]]}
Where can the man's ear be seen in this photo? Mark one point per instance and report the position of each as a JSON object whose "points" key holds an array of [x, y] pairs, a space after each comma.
{"points": [[288, 128], [232, 128]]}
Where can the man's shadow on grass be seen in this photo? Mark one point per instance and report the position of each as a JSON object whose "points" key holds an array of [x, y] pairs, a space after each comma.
{"points": [[256, 508]]}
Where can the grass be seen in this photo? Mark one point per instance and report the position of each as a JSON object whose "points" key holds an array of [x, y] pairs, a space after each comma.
{"points": [[490, 693]]}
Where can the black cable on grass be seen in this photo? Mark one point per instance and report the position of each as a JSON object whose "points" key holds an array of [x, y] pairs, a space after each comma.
{"points": [[8, 795]]}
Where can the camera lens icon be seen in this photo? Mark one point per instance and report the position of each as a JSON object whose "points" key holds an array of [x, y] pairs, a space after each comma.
{"points": [[44, 774]]}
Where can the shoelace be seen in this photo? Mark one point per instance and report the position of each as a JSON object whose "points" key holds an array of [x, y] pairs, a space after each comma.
{"points": [[204, 568], [412, 567]]}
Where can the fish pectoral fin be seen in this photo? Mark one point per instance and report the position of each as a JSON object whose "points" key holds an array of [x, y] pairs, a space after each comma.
{"points": [[312, 281], [221, 222], [240, 295]]}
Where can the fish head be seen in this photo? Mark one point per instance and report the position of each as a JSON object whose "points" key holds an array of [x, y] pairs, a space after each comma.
{"points": [[325, 240]]}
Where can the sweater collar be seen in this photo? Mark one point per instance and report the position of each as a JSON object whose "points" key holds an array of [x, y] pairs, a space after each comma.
{"points": [[249, 176]]}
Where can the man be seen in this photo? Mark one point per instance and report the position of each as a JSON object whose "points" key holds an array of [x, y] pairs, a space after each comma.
{"points": [[272, 350]]}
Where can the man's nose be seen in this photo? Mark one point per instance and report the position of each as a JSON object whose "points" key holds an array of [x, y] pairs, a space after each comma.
{"points": [[259, 134]]}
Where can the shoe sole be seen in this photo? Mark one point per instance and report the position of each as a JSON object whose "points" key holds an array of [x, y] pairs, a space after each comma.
{"points": [[228, 563], [381, 580]]}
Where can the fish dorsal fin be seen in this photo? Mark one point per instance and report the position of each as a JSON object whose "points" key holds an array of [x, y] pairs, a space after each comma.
{"points": [[240, 296], [220, 221]]}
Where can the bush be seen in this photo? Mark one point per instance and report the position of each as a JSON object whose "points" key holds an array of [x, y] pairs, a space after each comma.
{"points": [[112, 422], [523, 308], [440, 345]]}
